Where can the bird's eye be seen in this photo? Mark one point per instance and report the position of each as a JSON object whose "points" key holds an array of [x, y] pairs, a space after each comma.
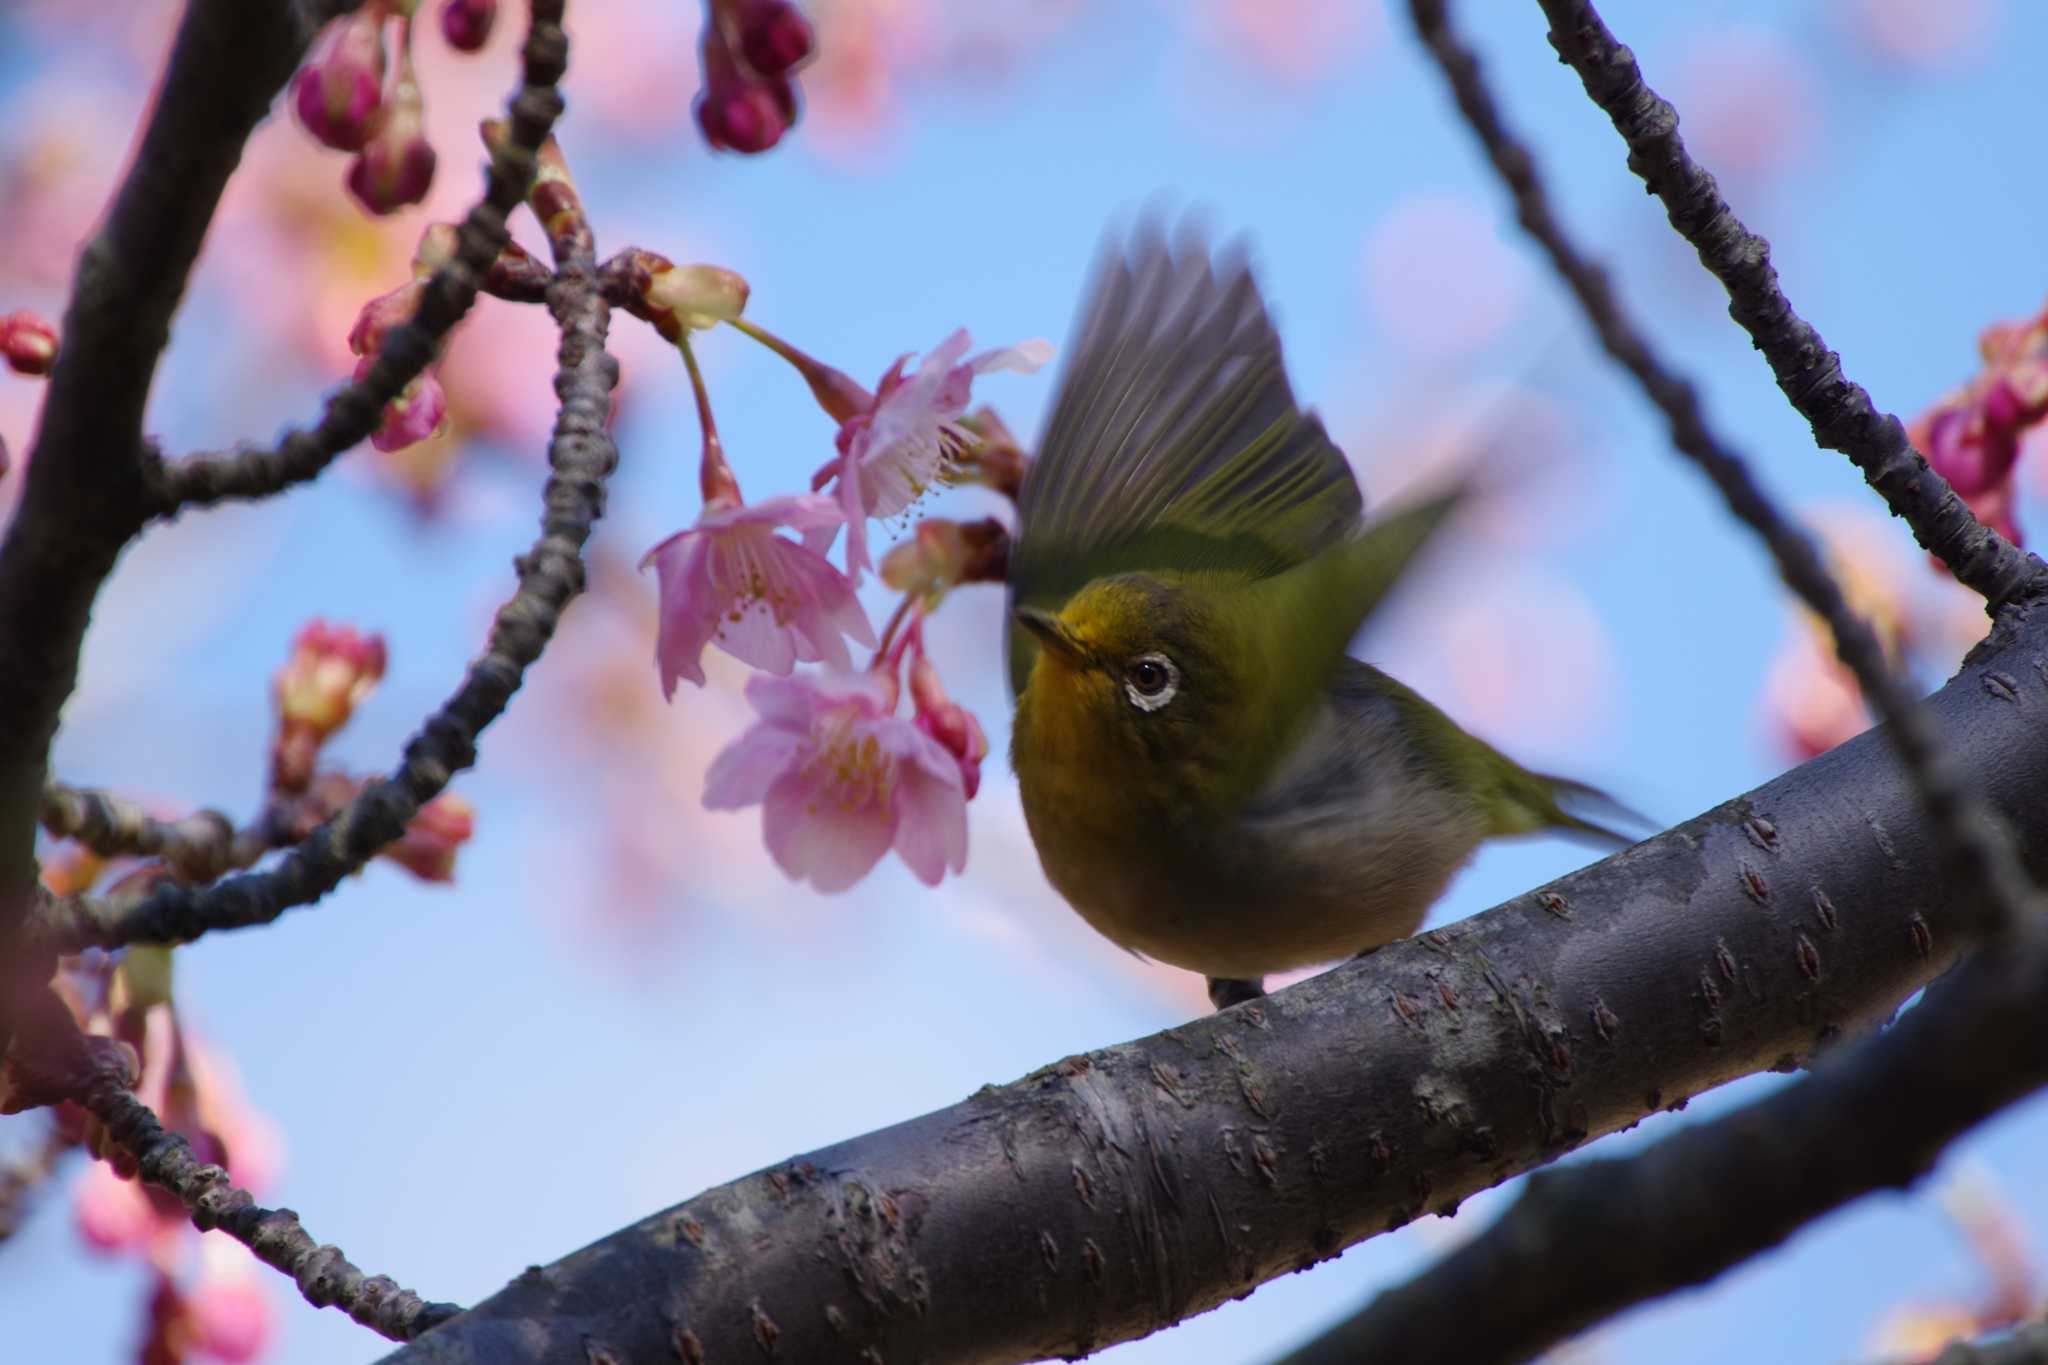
{"points": [[1151, 681]]}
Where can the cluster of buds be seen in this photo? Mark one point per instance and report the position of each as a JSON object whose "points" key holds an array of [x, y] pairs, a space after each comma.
{"points": [[331, 671], [1973, 436], [28, 343], [421, 408], [752, 49], [345, 100]]}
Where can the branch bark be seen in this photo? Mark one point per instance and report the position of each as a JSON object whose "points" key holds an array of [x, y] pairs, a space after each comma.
{"points": [[1119, 1192], [87, 482], [1840, 411]]}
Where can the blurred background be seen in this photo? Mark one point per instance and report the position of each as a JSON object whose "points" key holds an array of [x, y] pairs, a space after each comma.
{"points": [[620, 982]]}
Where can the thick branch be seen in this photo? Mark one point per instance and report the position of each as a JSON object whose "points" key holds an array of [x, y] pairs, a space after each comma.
{"points": [[2026, 1346], [86, 489], [1585, 1241], [1117, 1193], [1810, 374]]}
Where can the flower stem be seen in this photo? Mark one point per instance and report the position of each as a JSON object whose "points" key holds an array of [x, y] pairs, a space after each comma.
{"points": [[836, 392], [715, 475]]}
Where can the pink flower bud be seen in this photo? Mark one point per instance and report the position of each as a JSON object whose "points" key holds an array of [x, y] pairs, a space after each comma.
{"points": [[113, 1215], [419, 411], [774, 36], [339, 91], [381, 314], [466, 24], [948, 722], [436, 834], [28, 342], [941, 554], [332, 669], [228, 1307], [738, 110], [396, 166]]}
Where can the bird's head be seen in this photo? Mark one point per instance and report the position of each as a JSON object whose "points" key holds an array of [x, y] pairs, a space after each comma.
{"points": [[1140, 678]]}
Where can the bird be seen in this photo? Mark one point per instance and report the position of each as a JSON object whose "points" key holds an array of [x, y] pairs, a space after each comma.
{"points": [[1208, 777]]}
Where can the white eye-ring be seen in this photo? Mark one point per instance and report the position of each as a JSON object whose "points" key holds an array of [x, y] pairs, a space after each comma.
{"points": [[1151, 681]]}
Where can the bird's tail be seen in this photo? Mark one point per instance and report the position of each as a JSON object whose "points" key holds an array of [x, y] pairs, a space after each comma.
{"points": [[1530, 803]]}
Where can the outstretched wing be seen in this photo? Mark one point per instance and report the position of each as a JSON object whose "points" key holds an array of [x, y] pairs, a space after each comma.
{"points": [[1175, 442]]}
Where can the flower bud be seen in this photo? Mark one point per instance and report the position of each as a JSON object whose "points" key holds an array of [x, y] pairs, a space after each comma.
{"points": [[419, 411], [396, 165], [332, 669], [774, 36], [380, 315], [948, 722], [28, 342], [696, 296], [438, 245], [430, 842], [737, 110], [339, 92], [466, 24], [941, 554]]}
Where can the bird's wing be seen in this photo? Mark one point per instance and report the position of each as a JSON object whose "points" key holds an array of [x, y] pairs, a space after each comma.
{"points": [[1175, 442]]}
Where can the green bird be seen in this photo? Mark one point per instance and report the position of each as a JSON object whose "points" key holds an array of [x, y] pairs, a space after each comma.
{"points": [[1208, 778]]}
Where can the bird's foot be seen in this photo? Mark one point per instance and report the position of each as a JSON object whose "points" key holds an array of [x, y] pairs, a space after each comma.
{"points": [[1225, 991]]}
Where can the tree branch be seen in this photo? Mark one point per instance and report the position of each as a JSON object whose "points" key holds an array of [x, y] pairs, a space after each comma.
{"points": [[1841, 413], [1981, 853], [353, 412], [2027, 1345], [551, 573], [1712, 1196], [1117, 1193], [324, 1276], [1585, 1241]]}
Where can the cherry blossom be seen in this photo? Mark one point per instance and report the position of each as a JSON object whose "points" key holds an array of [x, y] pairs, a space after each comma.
{"points": [[841, 781]]}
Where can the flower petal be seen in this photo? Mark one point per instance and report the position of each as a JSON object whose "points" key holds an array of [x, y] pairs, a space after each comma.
{"points": [[1024, 357], [816, 839], [744, 771], [931, 827]]}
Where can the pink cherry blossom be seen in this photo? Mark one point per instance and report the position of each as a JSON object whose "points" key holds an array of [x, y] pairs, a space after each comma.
{"points": [[902, 444], [841, 781], [762, 598]]}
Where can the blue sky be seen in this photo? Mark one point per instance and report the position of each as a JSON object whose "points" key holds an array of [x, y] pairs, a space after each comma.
{"points": [[418, 1044]]}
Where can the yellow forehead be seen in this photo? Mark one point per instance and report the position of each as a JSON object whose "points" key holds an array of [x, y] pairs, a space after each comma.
{"points": [[1110, 612]]}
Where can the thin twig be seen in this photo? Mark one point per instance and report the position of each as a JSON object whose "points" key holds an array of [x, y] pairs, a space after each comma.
{"points": [[354, 411], [581, 456], [1711, 1196], [1810, 374], [323, 1274], [198, 847], [1981, 853]]}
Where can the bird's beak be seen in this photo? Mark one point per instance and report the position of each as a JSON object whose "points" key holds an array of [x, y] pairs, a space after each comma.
{"points": [[1054, 634]]}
